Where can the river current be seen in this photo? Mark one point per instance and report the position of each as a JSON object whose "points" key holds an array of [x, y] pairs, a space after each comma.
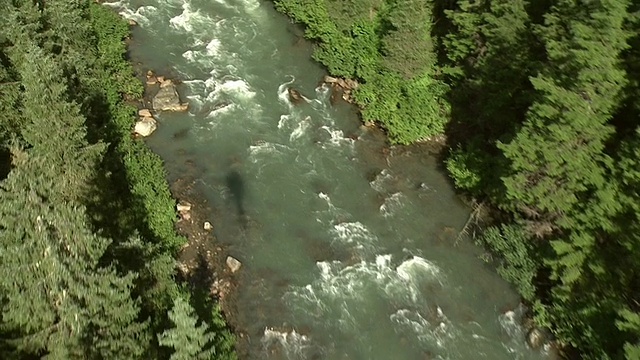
{"points": [[349, 247]]}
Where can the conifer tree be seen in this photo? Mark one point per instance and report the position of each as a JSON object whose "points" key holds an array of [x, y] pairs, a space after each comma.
{"points": [[559, 183], [56, 299], [46, 106], [558, 158], [189, 340], [491, 53]]}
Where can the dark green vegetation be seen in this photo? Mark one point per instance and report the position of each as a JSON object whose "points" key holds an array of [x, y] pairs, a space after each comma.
{"points": [[540, 102], [87, 240]]}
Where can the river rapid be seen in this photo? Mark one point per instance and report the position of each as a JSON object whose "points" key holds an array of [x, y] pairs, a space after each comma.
{"points": [[349, 247]]}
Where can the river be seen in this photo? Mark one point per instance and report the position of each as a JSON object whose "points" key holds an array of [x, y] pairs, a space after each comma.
{"points": [[349, 247]]}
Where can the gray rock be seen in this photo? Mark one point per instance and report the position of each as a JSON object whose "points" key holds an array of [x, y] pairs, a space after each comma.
{"points": [[329, 79], [145, 127], [233, 264], [167, 98], [144, 113], [183, 207]]}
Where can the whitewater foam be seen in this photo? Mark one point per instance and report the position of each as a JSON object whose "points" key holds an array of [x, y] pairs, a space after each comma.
{"points": [[439, 331], [392, 204], [342, 289], [142, 15], [293, 343], [191, 21]]}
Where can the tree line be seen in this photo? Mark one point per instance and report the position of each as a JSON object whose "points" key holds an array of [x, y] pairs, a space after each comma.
{"points": [[87, 240], [540, 103]]}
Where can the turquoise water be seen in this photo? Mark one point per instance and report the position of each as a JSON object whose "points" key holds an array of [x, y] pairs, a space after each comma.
{"points": [[348, 246]]}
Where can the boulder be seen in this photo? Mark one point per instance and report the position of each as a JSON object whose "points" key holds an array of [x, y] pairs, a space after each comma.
{"points": [[295, 96], [145, 127], [166, 82], [167, 98], [207, 225], [329, 79], [144, 113], [132, 22], [350, 84], [183, 207], [233, 264], [535, 338], [152, 80], [346, 95]]}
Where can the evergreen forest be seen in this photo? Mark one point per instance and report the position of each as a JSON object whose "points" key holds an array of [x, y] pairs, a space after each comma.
{"points": [[540, 103], [87, 240]]}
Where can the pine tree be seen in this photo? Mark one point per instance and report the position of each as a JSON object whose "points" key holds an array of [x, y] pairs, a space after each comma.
{"points": [[189, 340], [559, 184], [57, 300], [46, 106], [492, 57], [557, 158]]}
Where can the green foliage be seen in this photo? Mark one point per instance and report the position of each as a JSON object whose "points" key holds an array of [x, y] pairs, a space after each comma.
{"points": [[518, 265], [188, 339], [630, 322], [408, 48], [538, 126], [56, 298], [459, 165]]}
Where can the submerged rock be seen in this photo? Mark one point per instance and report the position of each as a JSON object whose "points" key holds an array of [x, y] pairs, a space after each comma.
{"points": [[295, 96], [145, 127], [233, 264], [167, 98]]}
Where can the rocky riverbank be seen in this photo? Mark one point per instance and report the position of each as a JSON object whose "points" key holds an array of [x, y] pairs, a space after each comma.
{"points": [[202, 261]]}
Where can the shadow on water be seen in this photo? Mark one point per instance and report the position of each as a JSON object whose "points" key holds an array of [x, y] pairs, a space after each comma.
{"points": [[5, 163], [236, 187]]}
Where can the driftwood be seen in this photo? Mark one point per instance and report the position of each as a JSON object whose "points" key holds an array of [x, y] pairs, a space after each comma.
{"points": [[472, 222]]}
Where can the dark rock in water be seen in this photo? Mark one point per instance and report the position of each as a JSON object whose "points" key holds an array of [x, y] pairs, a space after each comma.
{"points": [[295, 96], [181, 134], [372, 175], [220, 105], [336, 95]]}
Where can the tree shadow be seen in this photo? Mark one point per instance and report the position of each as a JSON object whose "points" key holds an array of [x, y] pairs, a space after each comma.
{"points": [[201, 280], [5, 163]]}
